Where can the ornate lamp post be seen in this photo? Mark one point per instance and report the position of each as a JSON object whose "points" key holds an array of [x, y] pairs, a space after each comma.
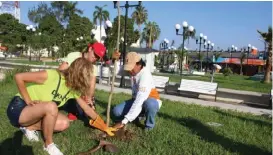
{"points": [[185, 28], [208, 46], [232, 49], [202, 39], [126, 6]]}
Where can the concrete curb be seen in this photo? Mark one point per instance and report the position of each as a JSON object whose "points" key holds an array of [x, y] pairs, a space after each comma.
{"points": [[221, 105]]}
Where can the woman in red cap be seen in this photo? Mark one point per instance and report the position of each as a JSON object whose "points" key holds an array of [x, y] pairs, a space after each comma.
{"points": [[94, 52]]}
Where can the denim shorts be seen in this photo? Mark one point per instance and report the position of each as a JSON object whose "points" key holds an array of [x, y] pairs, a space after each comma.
{"points": [[14, 110]]}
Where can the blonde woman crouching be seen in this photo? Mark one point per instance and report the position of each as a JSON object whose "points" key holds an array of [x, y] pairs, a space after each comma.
{"points": [[35, 107]]}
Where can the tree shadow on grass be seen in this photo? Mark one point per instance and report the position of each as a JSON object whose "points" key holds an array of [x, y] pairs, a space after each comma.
{"points": [[208, 135], [259, 122], [13, 146]]}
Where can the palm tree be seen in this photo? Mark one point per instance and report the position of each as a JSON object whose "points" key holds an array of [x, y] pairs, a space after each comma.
{"points": [[217, 56], [242, 58], [140, 15], [35, 15], [150, 34], [71, 9], [267, 36], [100, 15]]}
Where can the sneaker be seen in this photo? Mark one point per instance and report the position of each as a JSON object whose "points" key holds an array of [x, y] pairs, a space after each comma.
{"points": [[31, 135], [52, 149], [72, 117]]}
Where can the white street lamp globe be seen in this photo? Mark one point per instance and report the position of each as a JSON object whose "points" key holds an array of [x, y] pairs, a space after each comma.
{"points": [[122, 39], [28, 28], [93, 31], [177, 26], [109, 23], [167, 41], [78, 39], [33, 29], [55, 48], [169, 48], [208, 42], [81, 37], [39, 33], [201, 35], [212, 44], [191, 28], [205, 37], [249, 45], [253, 47], [232, 46], [235, 48], [185, 24]]}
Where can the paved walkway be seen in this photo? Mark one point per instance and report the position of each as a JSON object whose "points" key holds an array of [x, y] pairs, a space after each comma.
{"points": [[221, 105]]}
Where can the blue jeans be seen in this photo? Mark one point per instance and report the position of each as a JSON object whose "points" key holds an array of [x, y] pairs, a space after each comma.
{"points": [[150, 107]]}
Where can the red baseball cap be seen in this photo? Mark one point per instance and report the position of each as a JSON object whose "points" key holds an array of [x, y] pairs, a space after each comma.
{"points": [[98, 48]]}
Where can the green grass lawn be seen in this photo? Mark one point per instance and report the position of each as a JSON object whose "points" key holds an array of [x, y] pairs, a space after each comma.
{"points": [[180, 129], [34, 62], [232, 82]]}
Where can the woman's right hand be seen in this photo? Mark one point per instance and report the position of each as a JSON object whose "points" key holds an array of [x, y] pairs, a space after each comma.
{"points": [[33, 102]]}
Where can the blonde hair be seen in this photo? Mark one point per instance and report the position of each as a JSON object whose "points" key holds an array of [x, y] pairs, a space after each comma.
{"points": [[78, 76]]}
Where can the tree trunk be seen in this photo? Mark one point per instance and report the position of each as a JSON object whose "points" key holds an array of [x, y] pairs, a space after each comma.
{"points": [[100, 30], [268, 65], [114, 72], [140, 35], [150, 39], [241, 69]]}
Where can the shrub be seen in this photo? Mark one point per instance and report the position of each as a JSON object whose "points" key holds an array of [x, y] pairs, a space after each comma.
{"points": [[227, 71]]}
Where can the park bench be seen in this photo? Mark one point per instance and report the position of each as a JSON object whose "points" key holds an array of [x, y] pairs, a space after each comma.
{"points": [[197, 73], [161, 82], [201, 87]]}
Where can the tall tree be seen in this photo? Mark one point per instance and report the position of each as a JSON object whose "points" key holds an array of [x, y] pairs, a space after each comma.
{"points": [[58, 8], [100, 15], [267, 36], [36, 14], [51, 31], [132, 35], [78, 26], [150, 34], [12, 32], [70, 9], [140, 16]]}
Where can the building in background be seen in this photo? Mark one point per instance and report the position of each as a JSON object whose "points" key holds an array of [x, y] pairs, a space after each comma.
{"points": [[11, 7]]}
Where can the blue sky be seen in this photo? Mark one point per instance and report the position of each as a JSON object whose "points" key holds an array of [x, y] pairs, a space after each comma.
{"points": [[224, 23]]}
